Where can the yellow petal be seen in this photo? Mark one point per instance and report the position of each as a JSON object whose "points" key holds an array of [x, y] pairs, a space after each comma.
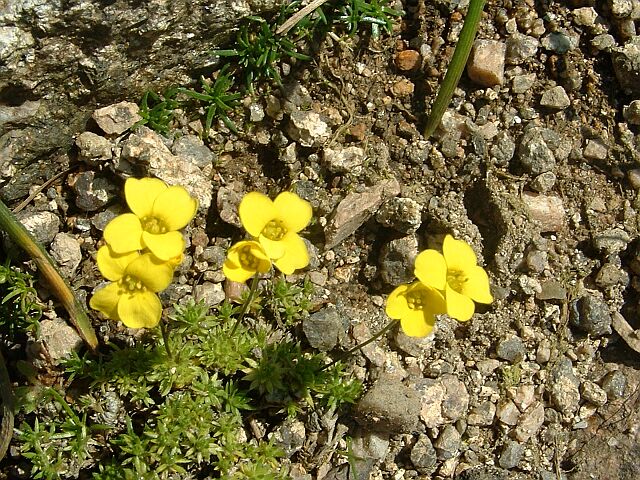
{"points": [[295, 256], [255, 211], [235, 272], [274, 249], [397, 303], [256, 249], [155, 274], [477, 285], [458, 254], [435, 302], [431, 269], [293, 211], [141, 193], [165, 246], [123, 233], [417, 323], [106, 300], [175, 207], [140, 310], [459, 306], [111, 264]]}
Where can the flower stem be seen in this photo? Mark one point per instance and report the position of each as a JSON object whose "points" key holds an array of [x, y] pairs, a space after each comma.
{"points": [[165, 339], [384, 330], [247, 302]]}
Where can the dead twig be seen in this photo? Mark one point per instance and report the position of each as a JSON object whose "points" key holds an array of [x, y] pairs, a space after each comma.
{"points": [[299, 15]]}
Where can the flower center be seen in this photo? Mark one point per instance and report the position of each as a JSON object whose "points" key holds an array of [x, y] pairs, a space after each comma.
{"points": [[416, 299], [153, 225], [247, 259], [274, 230], [131, 284], [456, 279]]}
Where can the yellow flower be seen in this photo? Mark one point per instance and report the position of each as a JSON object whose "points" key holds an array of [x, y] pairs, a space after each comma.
{"points": [[416, 306], [456, 273], [244, 260], [159, 212], [131, 295], [275, 224]]}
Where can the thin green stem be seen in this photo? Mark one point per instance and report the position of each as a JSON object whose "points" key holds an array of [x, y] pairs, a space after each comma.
{"points": [[360, 346], [165, 339], [456, 66], [247, 303], [8, 404]]}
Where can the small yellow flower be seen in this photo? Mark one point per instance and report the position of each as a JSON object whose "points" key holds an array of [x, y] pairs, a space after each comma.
{"points": [[131, 295], [159, 212], [416, 306], [275, 224], [244, 260], [456, 273]]}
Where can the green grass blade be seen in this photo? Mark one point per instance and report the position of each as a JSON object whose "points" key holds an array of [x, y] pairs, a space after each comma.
{"points": [[456, 67]]}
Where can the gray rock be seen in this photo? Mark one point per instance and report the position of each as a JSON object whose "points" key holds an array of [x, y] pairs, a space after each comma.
{"points": [[631, 112], [610, 275], [560, 42], [15, 116], [92, 192], [368, 450], [626, 64], [485, 472], [448, 443], [93, 149], [614, 384], [193, 149], [563, 387], [603, 42], [482, 414], [507, 412], [59, 338], [511, 349], [423, 456], [591, 315], [308, 128], [552, 290], [511, 454], [530, 422], [118, 118], [13, 41], [503, 149], [256, 112], [289, 436], [210, 293], [325, 328], [401, 214], [555, 98], [595, 150], [297, 95], [544, 182], [585, 16], [621, 8], [389, 406], [396, 260], [523, 83], [44, 226], [344, 159], [592, 393], [520, 48], [534, 153], [456, 399], [486, 62], [611, 241], [65, 250], [357, 208]]}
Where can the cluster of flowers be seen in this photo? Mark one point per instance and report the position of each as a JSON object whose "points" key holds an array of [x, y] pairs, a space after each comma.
{"points": [[274, 226], [448, 282], [142, 250]]}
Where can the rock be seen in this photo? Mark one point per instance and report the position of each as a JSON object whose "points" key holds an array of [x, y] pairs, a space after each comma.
{"points": [[401, 214], [357, 208], [118, 118], [591, 315], [595, 150], [560, 42], [193, 149], [44, 226], [529, 422], [511, 454], [535, 154], [482, 414], [210, 293], [610, 275], [585, 16], [289, 436], [456, 399], [523, 83], [555, 98], [92, 192], [631, 112], [611, 241], [402, 88], [485, 472], [507, 412], [396, 260], [614, 384], [563, 387], [546, 210], [592, 393], [511, 349], [325, 328], [552, 290], [368, 450], [486, 62], [344, 159], [603, 42], [389, 406], [444, 399], [503, 149], [296, 96], [544, 182], [65, 250], [423, 456], [626, 64], [307, 128], [60, 339], [448, 443], [621, 8], [413, 346], [408, 60], [520, 48], [93, 149]]}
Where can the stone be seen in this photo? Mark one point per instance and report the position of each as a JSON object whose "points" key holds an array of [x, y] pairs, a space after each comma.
{"points": [[631, 112], [507, 412], [611, 241], [511, 349], [563, 387], [520, 48], [486, 62], [591, 392], [65, 250], [290, 436], [59, 338], [610, 275], [626, 65], [555, 98], [482, 414], [402, 214], [591, 315], [456, 399], [614, 384], [448, 443], [535, 154], [560, 42], [325, 328], [93, 149], [511, 454], [193, 149], [551, 290], [621, 8], [423, 456], [544, 182], [402, 88], [308, 128], [603, 42], [389, 406], [546, 210], [344, 159], [407, 60], [209, 293], [503, 149], [530, 422], [118, 118], [44, 226], [396, 260], [523, 83], [357, 208], [585, 16], [485, 472], [595, 150], [93, 192]]}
